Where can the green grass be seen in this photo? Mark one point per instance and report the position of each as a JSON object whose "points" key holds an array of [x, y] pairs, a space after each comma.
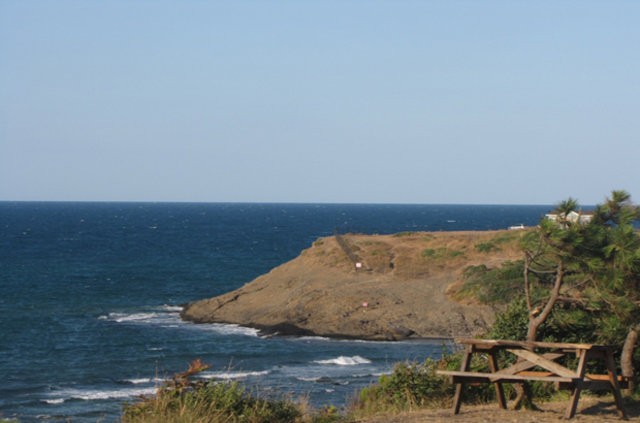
{"points": [[441, 253], [487, 247]]}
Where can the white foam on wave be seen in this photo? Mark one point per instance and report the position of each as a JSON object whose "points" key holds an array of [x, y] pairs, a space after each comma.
{"points": [[345, 361], [169, 317], [165, 314], [308, 379], [233, 375], [314, 338], [95, 394], [133, 317], [142, 380], [228, 329]]}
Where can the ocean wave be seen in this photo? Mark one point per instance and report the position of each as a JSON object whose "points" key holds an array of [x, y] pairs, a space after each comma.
{"points": [[345, 361], [314, 338], [233, 375], [308, 379], [169, 317], [97, 394], [143, 380], [130, 317], [54, 401], [227, 329]]}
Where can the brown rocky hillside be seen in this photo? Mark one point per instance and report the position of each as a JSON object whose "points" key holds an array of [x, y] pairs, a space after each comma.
{"points": [[378, 287]]}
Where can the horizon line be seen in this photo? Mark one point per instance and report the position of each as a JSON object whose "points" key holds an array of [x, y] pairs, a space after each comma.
{"points": [[278, 203]]}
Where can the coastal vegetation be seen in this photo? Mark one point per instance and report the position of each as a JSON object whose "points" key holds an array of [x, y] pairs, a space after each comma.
{"points": [[577, 280], [185, 399]]}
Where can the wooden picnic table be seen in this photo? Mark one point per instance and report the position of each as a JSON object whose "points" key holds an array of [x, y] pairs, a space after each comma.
{"points": [[537, 362]]}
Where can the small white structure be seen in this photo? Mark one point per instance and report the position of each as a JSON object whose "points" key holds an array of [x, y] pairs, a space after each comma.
{"points": [[572, 217], [517, 227]]}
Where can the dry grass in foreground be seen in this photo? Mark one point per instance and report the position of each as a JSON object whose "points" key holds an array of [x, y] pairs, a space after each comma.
{"points": [[590, 409]]}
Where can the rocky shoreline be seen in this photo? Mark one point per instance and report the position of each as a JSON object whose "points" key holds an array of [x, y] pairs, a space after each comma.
{"points": [[371, 287]]}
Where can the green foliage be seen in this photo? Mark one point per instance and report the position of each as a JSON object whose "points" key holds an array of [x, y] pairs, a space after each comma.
{"points": [[212, 401], [506, 237], [428, 252], [567, 323], [410, 385], [487, 247], [493, 286], [327, 414], [184, 400], [441, 253]]}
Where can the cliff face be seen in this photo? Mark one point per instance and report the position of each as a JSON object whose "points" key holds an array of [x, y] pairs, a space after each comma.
{"points": [[377, 287]]}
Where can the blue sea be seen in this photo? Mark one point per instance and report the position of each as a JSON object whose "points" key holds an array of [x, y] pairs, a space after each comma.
{"points": [[91, 295]]}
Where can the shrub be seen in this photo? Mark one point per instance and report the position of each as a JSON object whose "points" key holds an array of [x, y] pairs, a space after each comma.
{"points": [[410, 385], [487, 247], [184, 400], [493, 286], [441, 253], [417, 385], [567, 323]]}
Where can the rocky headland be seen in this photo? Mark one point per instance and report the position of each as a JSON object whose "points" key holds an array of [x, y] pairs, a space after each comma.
{"points": [[375, 287]]}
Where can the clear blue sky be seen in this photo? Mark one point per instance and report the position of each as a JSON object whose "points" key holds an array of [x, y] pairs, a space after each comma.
{"points": [[489, 102]]}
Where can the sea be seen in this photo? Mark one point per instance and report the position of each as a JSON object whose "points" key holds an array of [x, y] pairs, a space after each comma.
{"points": [[91, 294]]}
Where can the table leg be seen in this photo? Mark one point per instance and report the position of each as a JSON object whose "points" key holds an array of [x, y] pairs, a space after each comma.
{"points": [[464, 366], [615, 387], [493, 366], [576, 389]]}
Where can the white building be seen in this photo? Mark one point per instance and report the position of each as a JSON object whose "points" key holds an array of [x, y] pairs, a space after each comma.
{"points": [[573, 217]]}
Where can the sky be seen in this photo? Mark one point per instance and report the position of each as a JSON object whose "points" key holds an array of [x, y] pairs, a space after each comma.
{"points": [[350, 101]]}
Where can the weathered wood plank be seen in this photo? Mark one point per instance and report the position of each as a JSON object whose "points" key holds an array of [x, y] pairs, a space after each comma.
{"points": [[540, 361], [615, 388], [464, 366], [493, 343], [493, 366], [576, 389], [495, 377], [526, 365]]}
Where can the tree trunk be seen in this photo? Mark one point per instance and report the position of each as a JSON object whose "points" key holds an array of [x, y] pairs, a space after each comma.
{"points": [[626, 358], [523, 392], [536, 321]]}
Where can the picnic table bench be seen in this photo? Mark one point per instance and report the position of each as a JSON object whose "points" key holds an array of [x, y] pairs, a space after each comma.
{"points": [[533, 356]]}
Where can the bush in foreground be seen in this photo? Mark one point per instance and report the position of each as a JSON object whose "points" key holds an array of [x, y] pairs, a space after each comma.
{"points": [[183, 400], [411, 385]]}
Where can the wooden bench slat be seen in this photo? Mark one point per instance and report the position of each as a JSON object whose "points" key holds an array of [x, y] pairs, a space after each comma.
{"points": [[589, 381], [500, 377], [492, 343]]}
